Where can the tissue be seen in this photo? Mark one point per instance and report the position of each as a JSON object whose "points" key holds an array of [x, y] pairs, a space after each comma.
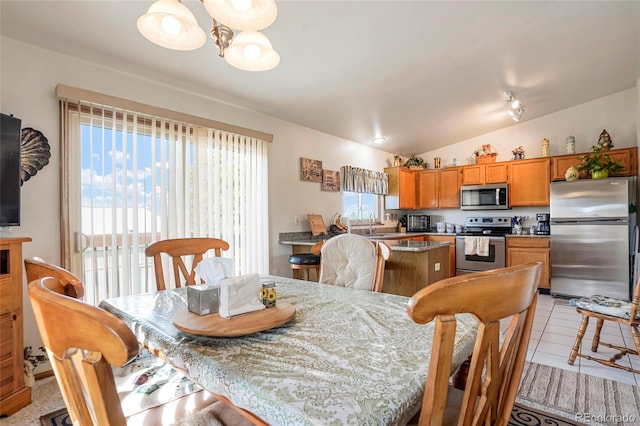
{"points": [[214, 269], [239, 295]]}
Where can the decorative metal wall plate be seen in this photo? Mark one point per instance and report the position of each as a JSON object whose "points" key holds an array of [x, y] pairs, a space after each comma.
{"points": [[34, 154]]}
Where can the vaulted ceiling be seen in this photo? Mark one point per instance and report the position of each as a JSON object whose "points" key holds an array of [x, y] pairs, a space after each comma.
{"points": [[422, 74]]}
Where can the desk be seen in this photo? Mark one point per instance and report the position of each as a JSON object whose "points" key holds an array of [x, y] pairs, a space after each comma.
{"points": [[348, 357]]}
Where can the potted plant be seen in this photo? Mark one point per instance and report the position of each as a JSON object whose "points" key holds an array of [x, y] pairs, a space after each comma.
{"points": [[415, 163], [598, 163]]}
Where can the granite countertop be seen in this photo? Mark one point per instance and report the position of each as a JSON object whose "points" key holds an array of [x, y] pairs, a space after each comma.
{"points": [[414, 246], [390, 239]]}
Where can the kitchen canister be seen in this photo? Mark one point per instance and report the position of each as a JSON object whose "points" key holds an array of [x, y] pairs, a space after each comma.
{"points": [[571, 145], [544, 146], [436, 162]]}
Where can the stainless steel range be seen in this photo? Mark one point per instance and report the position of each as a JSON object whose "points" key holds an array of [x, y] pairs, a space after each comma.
{"points": [[492, 230]]}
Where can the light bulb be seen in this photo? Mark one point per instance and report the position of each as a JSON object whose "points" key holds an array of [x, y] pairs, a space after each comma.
{"points": [[251, 52], [171, 25], [241, 5], [515, 104]]}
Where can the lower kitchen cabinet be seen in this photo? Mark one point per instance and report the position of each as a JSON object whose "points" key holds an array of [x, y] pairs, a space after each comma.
{"points": [[530, 249], [452, 249]]}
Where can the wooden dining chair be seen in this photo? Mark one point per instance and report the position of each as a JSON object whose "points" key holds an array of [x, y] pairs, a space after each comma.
{"points": [[351, 260], [83, 344], [616, 311], [506, 295], [179, 249], [68, 284]]}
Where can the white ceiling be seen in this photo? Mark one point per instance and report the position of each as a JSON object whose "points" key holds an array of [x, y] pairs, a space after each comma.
{"points": [[423, 74]]}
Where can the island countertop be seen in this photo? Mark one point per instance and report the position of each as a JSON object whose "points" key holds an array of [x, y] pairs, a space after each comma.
{"points": [[395, 245]]}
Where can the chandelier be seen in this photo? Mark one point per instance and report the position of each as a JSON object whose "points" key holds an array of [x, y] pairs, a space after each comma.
{"points": [[170, 24]]}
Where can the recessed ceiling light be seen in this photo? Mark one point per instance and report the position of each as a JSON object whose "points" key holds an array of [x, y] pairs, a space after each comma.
{"points": [[379, 140]]}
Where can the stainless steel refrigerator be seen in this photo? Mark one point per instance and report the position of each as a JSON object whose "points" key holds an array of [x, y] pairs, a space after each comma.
{"points": [[590, 233]]}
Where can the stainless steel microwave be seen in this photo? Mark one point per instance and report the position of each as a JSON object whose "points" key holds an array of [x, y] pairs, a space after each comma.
{"points": [[484, 197]]}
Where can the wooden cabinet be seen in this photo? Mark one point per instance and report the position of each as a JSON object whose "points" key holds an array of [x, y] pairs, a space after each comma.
{"points": [[530, 249], [450, 181], [402, 188], [406, 272], [452, 249], [439, 189], [529, 182], [428, 189], [13, 393], [627, 156], [480, 174]]}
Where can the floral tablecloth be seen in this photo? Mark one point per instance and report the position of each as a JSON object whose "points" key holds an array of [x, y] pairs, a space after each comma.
{"points": [[348, 357]]}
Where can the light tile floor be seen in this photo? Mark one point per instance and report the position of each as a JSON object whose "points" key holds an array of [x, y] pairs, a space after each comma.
{"points": [[554, 332]]}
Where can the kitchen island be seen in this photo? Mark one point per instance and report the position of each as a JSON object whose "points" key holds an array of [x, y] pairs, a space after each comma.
{"points": [[412, 265]]}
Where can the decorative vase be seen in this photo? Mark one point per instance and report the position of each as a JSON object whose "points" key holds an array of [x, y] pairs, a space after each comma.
{"points": [[600, 174]]}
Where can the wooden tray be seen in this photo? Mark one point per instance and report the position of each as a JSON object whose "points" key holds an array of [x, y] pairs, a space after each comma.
{"points": [[216, 326]]}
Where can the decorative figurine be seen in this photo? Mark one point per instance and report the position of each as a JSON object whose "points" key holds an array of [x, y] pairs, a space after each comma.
{"points": [[518, 153], [605, 141], [572, 174]]}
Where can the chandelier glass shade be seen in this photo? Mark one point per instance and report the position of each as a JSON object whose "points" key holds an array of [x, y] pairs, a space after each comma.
{"points": [[170, 24], [243, 15], [252, 51]]}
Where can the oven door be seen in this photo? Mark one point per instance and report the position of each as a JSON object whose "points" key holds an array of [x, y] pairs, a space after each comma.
{"points": [[469, 263]]}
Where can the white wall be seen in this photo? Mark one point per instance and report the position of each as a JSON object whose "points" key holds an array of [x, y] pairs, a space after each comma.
{"points": [[28, 76]]}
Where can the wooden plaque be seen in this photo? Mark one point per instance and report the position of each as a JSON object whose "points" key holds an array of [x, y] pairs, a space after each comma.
{"points": [[215, 326], [317, 224]]}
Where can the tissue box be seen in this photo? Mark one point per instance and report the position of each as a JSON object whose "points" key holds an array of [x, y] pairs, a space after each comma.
{"points": [[203, 299]]}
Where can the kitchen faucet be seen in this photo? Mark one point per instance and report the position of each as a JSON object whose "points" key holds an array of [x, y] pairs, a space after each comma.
{"points": [[371, 223]]}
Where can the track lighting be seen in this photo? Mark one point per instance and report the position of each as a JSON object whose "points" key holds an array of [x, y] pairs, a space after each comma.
{"points": [[515, 107]]}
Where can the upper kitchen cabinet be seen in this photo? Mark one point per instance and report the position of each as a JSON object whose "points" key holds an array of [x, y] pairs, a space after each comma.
{"points": [[627, 156], [480, 174], [428, 194], [439, 189], [450, 181], [529, 182], [402, 188]]}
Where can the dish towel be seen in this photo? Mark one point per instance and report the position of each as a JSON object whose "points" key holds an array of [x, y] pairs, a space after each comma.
{"points": [[214, 269], [239, 295], [482, 246], [470, 245]]}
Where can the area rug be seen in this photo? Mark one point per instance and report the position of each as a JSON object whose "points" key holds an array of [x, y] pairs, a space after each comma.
{"points": [[143, 384], [580, 397], [527, 416]]}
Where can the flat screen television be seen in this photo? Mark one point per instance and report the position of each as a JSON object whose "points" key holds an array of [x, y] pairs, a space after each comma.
{"points": [[10, 138]]}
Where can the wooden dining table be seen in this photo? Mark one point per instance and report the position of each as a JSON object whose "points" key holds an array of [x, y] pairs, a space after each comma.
{"points": [[346, 357]]}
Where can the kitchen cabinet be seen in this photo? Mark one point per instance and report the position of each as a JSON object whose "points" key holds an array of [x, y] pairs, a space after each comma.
{"points": [[402, 188], [529, 182], [407, 272], [480, 174], [452, 249], [531, 249], [428, 189], [439, 189], [14, 395], [627, 156]]}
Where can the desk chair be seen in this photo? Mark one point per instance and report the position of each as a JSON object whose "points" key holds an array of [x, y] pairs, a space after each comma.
{"points": [[84, 343], [495, 367], [608, 309], [178, 249], [351, 260]]}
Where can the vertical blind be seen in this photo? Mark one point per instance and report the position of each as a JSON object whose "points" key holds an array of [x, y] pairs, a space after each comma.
{"points": [[132, 178]]}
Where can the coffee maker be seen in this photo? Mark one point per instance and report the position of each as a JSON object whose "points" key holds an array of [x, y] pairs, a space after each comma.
{"points": [[543, 227]]}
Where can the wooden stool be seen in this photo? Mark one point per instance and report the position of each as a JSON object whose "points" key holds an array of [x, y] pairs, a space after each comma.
{"points": [[301, 263]]}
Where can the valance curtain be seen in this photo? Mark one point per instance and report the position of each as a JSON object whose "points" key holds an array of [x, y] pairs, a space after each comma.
{"points": [[355, 179], [131, 178]]}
